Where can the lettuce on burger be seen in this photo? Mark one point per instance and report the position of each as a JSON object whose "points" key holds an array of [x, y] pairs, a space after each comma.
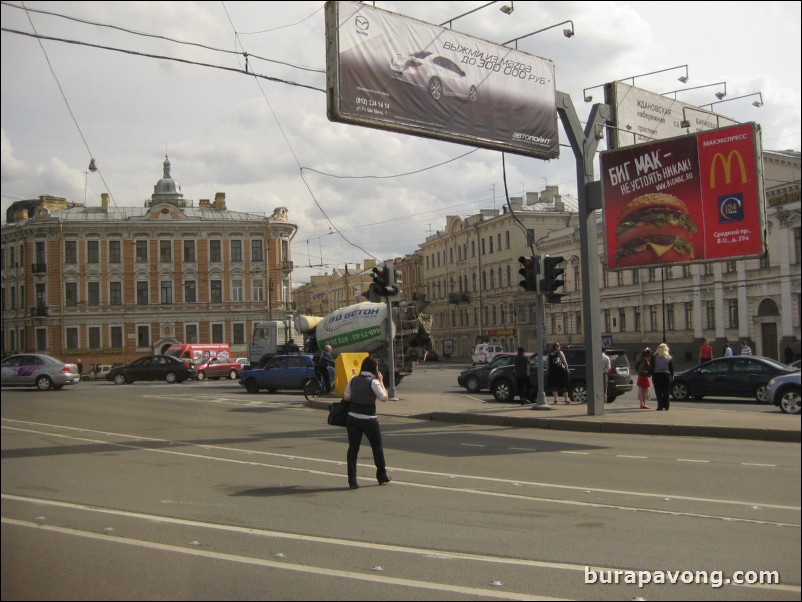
{"points": [[654, 228]]}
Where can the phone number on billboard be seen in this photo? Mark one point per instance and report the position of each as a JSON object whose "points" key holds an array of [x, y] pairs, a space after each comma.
{"points": [[369, 105]]}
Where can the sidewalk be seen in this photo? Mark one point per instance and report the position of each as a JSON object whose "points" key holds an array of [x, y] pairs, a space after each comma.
{"points": [[769, 424]]}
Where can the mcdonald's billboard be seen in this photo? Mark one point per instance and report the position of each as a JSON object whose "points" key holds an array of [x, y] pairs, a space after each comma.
{"points": [[683, 200]]}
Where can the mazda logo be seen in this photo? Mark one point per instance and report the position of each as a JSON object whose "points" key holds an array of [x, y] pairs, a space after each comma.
{"points": [[361, 23]]}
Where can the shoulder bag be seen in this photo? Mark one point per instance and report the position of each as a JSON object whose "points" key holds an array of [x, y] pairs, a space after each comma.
{"points": [[337, 413]]}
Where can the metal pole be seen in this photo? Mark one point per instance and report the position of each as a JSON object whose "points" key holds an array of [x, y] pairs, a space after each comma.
{"points": [[390, 351], [663, 298]]}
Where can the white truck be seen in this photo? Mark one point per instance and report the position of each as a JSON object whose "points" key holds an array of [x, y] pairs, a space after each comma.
{"points": [[362, 327]]}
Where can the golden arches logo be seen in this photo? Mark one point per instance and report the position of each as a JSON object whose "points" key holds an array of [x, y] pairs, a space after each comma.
{"points": [[726, 164]]}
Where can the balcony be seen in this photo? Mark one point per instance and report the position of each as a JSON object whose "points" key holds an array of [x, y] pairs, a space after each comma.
{"points": [[39, 311], [287, 266], [39, 268]]}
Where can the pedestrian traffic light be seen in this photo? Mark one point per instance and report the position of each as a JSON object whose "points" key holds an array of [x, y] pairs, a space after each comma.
{"points": [[552, 278], [530, 267]]}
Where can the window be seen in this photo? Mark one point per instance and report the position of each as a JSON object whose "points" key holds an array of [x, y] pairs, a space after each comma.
{"points": [[636, 316], [622, 320], [116, 337], [797, 259], [141, 250], [732, 312], [190, 294], [115, 293], [236, 290], [72, 338], [686, 271], [70, 293], [711, 314], [94, 293], [258, 290], [688, 316], [217, 293], [141, 293], [670, 316], [115, 251], [143, 336], [765, 262], [41, 257], [166, 289], [653, 318], [94, 337], [191, 333], [189, 251], [636, 276], [236, 251], [41, 339], [217, 333], [257, 251], [215, 253], [70, 251], [165, 251], [238, 333], [606, 320], [93, 251], [731, 267]]}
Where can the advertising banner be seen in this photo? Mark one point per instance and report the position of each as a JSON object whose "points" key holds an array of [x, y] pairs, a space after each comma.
{"points": [[683, 200], [395, 73], [642, 116]]}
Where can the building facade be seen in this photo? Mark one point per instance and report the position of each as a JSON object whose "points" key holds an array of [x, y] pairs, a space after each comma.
{"points": [[469, 272], [108, 285]]}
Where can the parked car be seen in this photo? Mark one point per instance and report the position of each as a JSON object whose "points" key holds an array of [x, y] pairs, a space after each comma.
{"points": [[244, 362], [736, 376], [783, 391], [439, 75], [484, 353], [37, 370], [97, 372], [152, 367], [475, 379], [282, 372], [502, 380]]}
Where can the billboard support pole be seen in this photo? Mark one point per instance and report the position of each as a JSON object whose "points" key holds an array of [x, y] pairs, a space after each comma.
{"points": [[584, 143]]}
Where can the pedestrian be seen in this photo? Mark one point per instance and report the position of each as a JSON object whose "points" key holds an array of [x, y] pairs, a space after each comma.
{"points": [[745, 349], [727, 350], [607, 366], [643, 368], [322, 360], [662, 371], [522, 375], [80, 367], [291, 347], [705, 352], [362, 392], [557, 372]]}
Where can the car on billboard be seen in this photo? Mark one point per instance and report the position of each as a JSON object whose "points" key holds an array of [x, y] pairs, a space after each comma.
{"points": [[439, 75]]}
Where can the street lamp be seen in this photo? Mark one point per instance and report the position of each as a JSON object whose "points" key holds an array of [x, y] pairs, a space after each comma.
{"points": [[720, 94], [568, 32], [506, 9], [757, 103], [682, 78]]}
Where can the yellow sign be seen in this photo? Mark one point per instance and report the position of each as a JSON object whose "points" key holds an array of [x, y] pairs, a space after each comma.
{"points": [[726, 163]]}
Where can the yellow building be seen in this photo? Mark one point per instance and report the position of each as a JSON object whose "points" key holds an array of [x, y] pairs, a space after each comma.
{"points": [[108, 284]]}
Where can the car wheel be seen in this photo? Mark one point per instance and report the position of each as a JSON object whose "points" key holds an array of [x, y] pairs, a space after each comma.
{"points": [[119, 379], [435, 88], [201, 375], [790, 401], [233, 375], [578, 392], [472, 384], [473, 95], [171, 377], [680, 391], [43, 383], [503, 391], [611, 398], [760, 393], [251, 386]]}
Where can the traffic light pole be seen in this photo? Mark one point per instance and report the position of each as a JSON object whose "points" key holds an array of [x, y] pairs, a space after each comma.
{"points": [[390, 351], [540, 326]]}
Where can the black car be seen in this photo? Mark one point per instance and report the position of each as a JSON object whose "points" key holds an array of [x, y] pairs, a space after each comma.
{"points": [[152, 367], [619, 381], [475, 379], [736, 376]]}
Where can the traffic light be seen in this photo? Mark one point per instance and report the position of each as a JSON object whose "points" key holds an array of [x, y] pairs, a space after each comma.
{"points": [[552, 279], [378, 288], [530, 267], [393, 283]]}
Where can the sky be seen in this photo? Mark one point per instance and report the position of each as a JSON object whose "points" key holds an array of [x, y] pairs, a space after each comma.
{"points": [[355, 193]]}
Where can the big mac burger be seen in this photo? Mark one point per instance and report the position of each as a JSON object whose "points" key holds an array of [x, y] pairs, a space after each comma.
{"points": [[654, 228]]}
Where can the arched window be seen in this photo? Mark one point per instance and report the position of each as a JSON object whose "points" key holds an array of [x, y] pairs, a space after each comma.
{"points": [[768, 307]]}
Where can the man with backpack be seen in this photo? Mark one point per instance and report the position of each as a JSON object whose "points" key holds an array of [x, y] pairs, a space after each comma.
{"points": [[322, 360]]}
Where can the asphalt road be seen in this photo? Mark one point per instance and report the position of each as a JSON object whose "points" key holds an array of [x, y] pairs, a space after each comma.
{"points": [[202, 491]]}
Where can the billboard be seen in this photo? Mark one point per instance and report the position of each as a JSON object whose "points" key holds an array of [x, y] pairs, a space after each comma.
{"points": [[391, 72], [682, 200], [642, 116]]}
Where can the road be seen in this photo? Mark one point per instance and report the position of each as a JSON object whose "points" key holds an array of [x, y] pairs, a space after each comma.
{"points": [[202, 491]]}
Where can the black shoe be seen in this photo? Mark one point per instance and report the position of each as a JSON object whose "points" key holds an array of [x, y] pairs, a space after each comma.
{"points": [[353, 485], [384, 480]]}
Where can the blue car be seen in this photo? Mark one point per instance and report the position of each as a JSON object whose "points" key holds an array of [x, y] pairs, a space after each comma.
{"points": [[282, 372]]}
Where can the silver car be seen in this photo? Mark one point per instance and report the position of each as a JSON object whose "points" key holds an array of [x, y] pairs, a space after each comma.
{"points": [[783, 391], [38, 370], [439, 75]]}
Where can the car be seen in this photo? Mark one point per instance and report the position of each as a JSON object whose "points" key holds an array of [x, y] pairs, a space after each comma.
{"points": [[783, 391], [475, 379], [282, 372], [484, 353], [244, 362], [152, 367], [736, 376], [97, 372], [38, 370], [216, 368], [501, 381], [439, 75]]}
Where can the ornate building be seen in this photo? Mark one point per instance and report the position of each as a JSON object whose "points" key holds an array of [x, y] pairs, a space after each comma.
{"points": [[110, 284]]}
